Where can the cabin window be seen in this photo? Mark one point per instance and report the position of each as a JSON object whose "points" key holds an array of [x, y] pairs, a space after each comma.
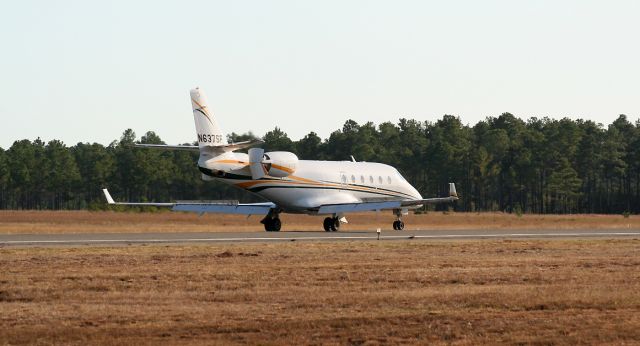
{"points": [[389, 180], [371, 179], [362, 179], [380, 180], [353, 179], [344, 178]]}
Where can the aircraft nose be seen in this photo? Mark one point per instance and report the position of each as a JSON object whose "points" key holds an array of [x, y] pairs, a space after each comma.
{"points": [[415, 192]]}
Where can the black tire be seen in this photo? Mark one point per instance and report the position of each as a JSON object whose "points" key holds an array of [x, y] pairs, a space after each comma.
{"points": [[395, 225], [400, 225], [335, 224], [327, 224], [272, 225], [276, 224]]}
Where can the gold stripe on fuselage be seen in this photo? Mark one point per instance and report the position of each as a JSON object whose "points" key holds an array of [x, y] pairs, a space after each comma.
{"points": [[282, 168], [232, 161], [282, 183], [250, 184]]}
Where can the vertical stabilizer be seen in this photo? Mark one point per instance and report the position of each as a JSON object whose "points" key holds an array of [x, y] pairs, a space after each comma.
{"points": [[207, 129]]}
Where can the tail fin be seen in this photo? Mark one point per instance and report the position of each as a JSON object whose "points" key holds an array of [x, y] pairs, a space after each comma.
{"points": [[207, 129]]}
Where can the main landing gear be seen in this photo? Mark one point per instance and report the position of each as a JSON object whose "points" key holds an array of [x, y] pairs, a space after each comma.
{"points": [[331, 224], [272, 222], [398, 225]]}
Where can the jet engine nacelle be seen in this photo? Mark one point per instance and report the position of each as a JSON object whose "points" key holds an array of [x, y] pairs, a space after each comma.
{"points": [[280, 163]]}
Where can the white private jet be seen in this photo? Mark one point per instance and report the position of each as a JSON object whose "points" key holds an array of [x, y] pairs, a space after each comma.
{"points": [[331, 188]]}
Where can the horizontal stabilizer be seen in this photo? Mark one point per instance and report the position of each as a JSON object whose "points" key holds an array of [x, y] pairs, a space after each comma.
{"points": [[168, 147], [241, 145], [225, 147]]}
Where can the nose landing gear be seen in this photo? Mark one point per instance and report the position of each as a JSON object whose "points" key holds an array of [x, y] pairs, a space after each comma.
{"points": [[398, 225]]}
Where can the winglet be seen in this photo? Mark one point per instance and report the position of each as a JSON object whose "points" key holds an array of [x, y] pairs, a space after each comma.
{"points": [[452, 190], [108, 196]]}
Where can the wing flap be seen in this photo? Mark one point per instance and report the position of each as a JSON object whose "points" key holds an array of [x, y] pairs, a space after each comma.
{"points": [[242, 209]]}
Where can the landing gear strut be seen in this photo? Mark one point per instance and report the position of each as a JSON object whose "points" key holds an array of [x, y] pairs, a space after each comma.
{"points": [[398, 225], [272, 222], [331, 224]]}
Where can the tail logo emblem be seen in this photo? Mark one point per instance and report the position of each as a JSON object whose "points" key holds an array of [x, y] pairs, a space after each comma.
{"points": [[202, 111]]}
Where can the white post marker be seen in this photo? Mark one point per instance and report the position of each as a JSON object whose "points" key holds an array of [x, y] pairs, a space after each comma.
{"points": [[378, 231]]}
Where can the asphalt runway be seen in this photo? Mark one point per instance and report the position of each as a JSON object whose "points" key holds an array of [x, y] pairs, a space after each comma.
{"points": [[89, 239]]}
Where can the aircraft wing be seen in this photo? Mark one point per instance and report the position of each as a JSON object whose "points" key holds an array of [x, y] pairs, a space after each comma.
{"points": [[219, 207], [386, 205], [413, 202]]}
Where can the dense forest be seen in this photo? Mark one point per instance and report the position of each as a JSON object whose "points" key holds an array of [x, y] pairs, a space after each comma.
{"points": [[503, 163]]}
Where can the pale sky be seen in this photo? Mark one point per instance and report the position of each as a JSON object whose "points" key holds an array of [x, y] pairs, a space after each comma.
{"points": [[87, 70]]}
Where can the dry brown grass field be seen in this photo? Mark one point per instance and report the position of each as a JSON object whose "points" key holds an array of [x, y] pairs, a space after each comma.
{"points": [[130, 222], [467, 293]]}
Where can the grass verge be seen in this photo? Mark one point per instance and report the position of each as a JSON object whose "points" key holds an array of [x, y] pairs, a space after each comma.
{"points": [[472, 292]]}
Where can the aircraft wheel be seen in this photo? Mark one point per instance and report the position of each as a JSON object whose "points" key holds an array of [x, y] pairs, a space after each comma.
{"points": [[398, 225], [327, 224], [276, 224], [335, 224], [272, 225]]}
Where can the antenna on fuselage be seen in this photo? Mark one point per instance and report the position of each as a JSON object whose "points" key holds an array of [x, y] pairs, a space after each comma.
{"points": [[352, 158]]}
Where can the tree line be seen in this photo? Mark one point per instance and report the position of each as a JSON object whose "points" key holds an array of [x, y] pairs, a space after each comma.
{"points": [[503, 163]]}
